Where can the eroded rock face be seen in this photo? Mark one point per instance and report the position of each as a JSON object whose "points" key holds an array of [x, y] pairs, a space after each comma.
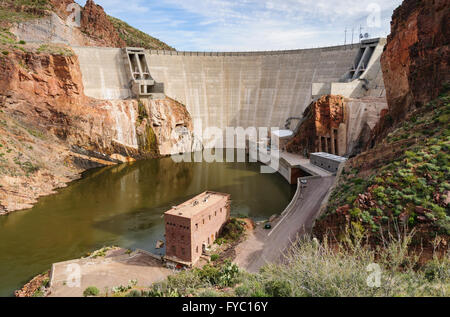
{"points": [[58, 26], [337, 125], [95, 23], [172, 125], [50, 131], [416, 57], [319, 129]]}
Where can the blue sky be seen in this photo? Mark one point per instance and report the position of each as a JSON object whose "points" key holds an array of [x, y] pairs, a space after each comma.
{"points": [[247, 25]]}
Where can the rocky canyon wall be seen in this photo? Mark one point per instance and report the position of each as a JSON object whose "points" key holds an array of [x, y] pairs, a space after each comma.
{"points": [[58, 26], [51, 131], [66, 22], [415, 62]]}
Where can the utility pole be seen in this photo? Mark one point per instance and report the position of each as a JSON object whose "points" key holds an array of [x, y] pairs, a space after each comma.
{"points": [[345, 39]]}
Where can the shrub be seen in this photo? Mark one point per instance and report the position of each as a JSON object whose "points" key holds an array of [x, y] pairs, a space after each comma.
{"points": [[214, 257], [162, 290], [209, 293], [209, 274], [45, 282], [220, 241], [91, 291], [314, 269], [233, 229], [134, 293], [38, 293], [228, 274], [278, 288]]}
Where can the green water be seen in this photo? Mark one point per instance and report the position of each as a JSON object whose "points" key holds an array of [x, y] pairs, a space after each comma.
{"points": [[123, 205]]}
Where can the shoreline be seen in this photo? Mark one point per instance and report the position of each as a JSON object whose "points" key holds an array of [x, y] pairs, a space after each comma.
{"points": [[47, 285]]}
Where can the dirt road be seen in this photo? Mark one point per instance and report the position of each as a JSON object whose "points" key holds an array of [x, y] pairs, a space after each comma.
{"points": [[267, 246]]}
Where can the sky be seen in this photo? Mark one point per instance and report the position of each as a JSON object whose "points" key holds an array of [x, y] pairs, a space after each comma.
{"points": [[254, 25]]}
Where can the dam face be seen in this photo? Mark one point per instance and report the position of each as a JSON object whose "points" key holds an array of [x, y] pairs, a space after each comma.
{"points": [[260, 89]]}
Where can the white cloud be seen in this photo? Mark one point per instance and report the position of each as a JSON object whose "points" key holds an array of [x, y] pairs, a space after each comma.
{"points": [[252, 24]]}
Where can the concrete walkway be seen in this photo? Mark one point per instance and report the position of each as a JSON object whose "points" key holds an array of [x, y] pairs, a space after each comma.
{"points": [[115, 269], [267, 246]]}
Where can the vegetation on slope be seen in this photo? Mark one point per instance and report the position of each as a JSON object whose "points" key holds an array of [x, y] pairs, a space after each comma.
{"points": [[22, 10], [136, 38], [402, 182], [315, 269]]}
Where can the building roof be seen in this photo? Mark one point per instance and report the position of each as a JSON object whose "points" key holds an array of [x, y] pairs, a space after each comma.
{"points": [[330, 156], [196, 205]]}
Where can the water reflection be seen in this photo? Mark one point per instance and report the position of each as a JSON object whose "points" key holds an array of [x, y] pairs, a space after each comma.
{"points": [[123, 205]]}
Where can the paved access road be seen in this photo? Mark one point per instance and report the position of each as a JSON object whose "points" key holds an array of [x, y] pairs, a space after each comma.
{"points": [[267, 246]]}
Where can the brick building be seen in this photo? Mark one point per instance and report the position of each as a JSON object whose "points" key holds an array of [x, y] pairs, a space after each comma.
{"points": [[195, 225]]}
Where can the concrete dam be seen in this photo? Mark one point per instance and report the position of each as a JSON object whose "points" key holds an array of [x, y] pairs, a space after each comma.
{"points": [[241, 89]]}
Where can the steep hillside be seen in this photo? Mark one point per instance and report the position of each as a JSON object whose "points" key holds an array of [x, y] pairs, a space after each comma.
{"points": [[45, 20], [136, 38], [22, 10], [416, 59], [402, 180]]}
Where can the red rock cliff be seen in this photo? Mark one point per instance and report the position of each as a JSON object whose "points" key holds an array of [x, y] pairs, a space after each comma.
{"points": [[95, 23], [318, 131], [415, 61]]}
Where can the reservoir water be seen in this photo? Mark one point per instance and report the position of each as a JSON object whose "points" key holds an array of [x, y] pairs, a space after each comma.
{"points": [[123, 205]]}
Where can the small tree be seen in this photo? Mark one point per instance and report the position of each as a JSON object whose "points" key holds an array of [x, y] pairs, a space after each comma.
{"points": [[91, 291]]}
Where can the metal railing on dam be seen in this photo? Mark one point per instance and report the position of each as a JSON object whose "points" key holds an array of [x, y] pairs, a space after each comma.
{"points": [[252, 53], [230, 53]]}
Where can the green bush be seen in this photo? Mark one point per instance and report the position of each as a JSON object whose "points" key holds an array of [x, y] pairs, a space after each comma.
{"points": [[38, 293], [134, 293], [220, 241], [214, 257], [91, 291], [228, 274], [209, 274], [278, 288], [233, 229], [209, 293], [45, 282]]}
